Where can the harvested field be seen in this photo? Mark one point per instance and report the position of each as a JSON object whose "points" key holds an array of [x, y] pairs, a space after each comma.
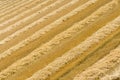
{"points": [[59, 39]]}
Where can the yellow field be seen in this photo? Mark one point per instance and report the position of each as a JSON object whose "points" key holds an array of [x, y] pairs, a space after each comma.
{"points": [[59, 39]]}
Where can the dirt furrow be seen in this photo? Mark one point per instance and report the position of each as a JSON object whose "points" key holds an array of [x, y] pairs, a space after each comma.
{"points": [[35, 26], [14, 6], [37, 37], [26, 13], [59, 39], [78, 53], [19, 9], [43, 22], [102, 67], [91, 59], [32, 20], [9, 3], [113, 74], [35, 56]]}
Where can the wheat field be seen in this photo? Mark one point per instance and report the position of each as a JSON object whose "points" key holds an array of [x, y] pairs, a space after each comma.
{"points": [[59, 39]]}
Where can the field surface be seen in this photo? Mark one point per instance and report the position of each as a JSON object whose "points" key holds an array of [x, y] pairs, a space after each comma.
{"points": [[59, 39]]}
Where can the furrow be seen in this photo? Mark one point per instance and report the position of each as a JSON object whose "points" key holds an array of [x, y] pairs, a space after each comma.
{"points": [[14, 11], [113, 75], [36, 54], [91, 59], [30, 29], [26, 14], [14, 6], [32, 19], [4, 4], [43, 22], [77, 36], [38, 37], [49, 27], [102, 67], [77, 53], [81, 32], [8, 4]]}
